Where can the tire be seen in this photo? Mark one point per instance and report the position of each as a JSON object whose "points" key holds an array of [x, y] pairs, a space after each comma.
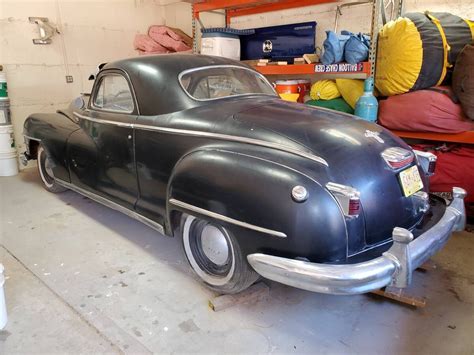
{"points": [[46, 172], [215, 256]]}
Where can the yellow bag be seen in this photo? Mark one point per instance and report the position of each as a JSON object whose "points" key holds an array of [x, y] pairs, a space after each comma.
{"points": [[351, 90], [417, 51], [324, 90]]}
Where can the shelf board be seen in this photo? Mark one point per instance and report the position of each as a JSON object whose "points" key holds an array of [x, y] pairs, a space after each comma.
{"points": [[464, 137], [247, 7], [357, 71]]}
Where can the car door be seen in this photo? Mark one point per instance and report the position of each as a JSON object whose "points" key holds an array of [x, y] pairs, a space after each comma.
{"points": [[101, 154]]}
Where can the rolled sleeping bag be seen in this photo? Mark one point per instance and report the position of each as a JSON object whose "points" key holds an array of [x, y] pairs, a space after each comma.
{"points": [[414, 52]]}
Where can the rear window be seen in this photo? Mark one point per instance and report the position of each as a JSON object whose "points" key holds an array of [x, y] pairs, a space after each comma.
{"points": [[209, 83]]}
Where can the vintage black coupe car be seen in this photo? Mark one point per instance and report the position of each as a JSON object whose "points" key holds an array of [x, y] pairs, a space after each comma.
{"points": [[202, 148]]}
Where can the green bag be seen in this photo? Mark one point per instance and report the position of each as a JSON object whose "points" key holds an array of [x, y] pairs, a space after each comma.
{"points": [[338, 104]]}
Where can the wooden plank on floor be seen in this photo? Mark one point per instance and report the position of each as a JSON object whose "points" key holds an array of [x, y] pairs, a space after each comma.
{"points": [[401, 295], [254, 293]]}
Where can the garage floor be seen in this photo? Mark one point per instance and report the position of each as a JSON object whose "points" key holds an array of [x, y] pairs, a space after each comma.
{"points": [[84, 278]]}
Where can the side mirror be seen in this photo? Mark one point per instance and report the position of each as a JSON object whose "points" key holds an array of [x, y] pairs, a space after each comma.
{"points": [[79, 103]]}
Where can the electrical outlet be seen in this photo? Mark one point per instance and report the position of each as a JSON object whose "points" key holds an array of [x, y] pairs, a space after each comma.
{"points": [[69, 79]]}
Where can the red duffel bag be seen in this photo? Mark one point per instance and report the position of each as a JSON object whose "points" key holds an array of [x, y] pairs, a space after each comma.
{"points": [[454, 167], [430, 110]]}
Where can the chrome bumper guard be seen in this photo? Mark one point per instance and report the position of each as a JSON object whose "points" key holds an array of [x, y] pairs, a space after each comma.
{"points": [[394, 268]]}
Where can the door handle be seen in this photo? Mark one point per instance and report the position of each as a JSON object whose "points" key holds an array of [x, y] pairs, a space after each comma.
{"points": [[129, 136]]}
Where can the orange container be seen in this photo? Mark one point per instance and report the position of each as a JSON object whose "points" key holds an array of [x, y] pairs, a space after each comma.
{"points": [[287, 87]]}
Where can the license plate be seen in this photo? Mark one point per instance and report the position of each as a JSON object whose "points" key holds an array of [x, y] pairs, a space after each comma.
{"points": [[411, 181]]}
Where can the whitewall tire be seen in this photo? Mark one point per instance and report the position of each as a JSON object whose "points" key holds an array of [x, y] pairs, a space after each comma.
{"points": [[46, 172], [215, 256]]}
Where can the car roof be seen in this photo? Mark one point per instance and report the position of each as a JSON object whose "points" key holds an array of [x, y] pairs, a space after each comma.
{"points": [[154, 79]]}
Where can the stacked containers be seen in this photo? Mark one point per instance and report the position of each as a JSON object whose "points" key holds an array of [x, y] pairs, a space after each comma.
{"points": [[8, 158]]}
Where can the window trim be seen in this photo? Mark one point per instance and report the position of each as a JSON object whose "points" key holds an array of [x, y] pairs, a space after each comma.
{"points": [[98, 82], [187, 71]]}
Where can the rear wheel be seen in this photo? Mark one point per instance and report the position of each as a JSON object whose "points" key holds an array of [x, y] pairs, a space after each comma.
{"points": [[45, 169], [215, 256]]}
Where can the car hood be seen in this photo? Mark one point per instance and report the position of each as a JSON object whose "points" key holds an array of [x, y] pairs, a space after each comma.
{"points": [[352, 148]]}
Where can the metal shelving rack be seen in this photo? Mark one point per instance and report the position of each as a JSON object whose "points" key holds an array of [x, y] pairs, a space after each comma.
{"points": [[234, 8]]}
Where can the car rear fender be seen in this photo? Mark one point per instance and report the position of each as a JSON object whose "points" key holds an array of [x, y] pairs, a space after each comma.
{"points": [[252, 197]]}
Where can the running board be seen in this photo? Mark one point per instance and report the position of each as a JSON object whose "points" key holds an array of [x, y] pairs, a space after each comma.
{"points": [[113, 205]]}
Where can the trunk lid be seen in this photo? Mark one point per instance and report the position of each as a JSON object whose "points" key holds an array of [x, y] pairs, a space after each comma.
{"points": [[352, 148]]}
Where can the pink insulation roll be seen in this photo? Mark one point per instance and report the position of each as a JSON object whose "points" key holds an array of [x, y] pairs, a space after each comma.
{"points": [[173, 39], [146, 45]]}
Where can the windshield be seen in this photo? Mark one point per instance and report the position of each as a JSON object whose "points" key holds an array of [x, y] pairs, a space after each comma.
{"points": [[216, 82]]}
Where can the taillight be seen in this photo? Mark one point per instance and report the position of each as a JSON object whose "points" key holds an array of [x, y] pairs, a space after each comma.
{"points": [[397, 157], [354, 206], [347, 197], [427, 161]]}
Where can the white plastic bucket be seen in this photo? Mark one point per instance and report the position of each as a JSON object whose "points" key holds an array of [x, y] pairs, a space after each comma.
{"points": [[7, 140], [8, 163], [5, 118], [3, 305]]}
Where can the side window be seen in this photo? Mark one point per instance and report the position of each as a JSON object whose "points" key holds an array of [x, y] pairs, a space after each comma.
{"points": [[114, 94]]}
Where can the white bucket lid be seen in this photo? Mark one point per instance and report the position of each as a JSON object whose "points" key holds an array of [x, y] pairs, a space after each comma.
{"points": [[6, 129]]}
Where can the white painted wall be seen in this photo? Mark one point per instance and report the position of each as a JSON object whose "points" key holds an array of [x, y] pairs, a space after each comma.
{"points": [[92, 32]]}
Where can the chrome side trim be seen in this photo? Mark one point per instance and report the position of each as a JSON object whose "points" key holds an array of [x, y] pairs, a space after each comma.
{"points": [[115, 206], [32, 138], [394, 267], [236, 139], [97, 120], [187, 132], [226, 219]]}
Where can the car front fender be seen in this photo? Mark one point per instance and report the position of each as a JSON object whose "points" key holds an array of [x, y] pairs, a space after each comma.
{"points": [[252, 197]]}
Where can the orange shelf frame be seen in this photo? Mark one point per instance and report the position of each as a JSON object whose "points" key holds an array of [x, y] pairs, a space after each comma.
{"points": [[362, 69], [236, 8], [464, 137]]}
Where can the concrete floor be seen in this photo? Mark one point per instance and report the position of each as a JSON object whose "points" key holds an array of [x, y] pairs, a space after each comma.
{"points": [[84, 278]]}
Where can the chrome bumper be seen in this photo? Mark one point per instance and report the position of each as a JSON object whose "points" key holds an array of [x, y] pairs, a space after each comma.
{"points": [[395, 267]]}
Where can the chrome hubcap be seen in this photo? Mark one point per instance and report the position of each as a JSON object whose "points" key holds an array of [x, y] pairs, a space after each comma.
{"points": [[48, 167], [214, 245]]}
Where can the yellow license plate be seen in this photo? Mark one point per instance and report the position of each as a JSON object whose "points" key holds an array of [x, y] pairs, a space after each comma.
{"points": [[411, 181]]}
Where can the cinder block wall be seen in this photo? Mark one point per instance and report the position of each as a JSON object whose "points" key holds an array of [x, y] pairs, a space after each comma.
{"points": [[92, 32]]}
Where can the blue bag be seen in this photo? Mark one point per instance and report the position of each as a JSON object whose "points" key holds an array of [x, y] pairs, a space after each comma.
{"points": [[357, 48], [334, 47]]}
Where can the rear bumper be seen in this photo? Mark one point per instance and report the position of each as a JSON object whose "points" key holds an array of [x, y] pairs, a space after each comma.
{"points": [[395, 267]]}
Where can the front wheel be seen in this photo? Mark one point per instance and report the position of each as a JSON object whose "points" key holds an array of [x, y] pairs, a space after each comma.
{"points": [[46, 172], [215, 256]]}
